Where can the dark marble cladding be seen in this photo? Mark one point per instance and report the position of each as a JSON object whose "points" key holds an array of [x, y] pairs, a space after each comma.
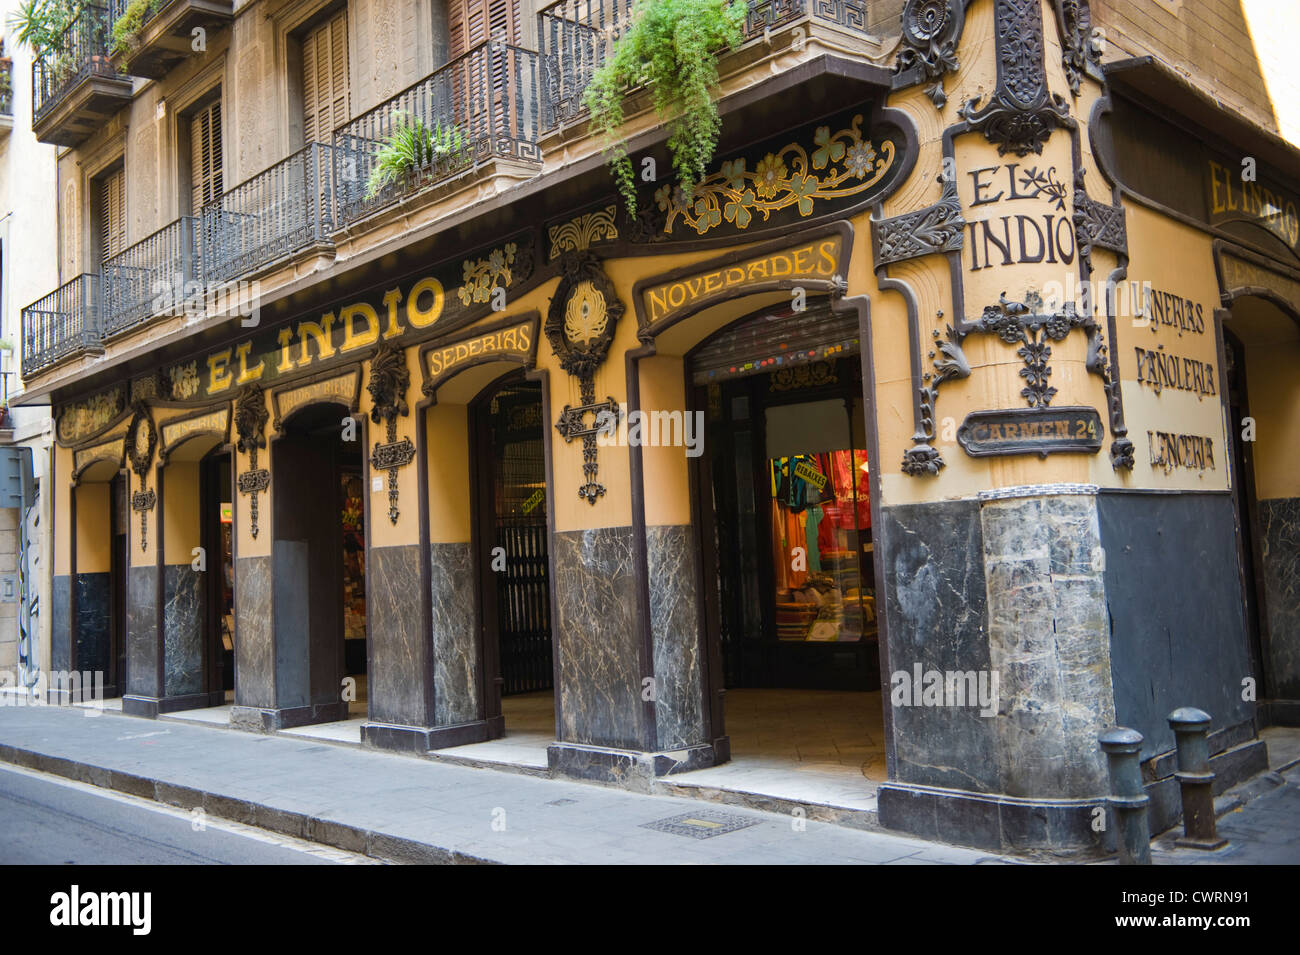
{"points": [[60, 631], [455, 647], [596, 637], [93, 649], [1049, 643], [254, 657], [142, 632], [183, 607], [398, 653], [935, 615], [1279, 532], [1177, 629], [674, 624]]}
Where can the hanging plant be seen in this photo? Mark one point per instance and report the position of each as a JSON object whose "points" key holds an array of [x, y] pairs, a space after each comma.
{"points": [[672, 48], [130, 25], [412, 146]]}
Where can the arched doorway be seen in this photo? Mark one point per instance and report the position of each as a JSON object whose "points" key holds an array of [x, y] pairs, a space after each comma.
{"points": [[318, 554], [785, 529], [1261, 348], [512, 536]]}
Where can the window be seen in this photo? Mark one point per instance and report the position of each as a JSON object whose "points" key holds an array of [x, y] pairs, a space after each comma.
{"points": [[325, 78], [470, 22], [110, 214], [206, 183]]}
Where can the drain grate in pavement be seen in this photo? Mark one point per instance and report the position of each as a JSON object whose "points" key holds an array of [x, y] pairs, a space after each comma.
{"points": [[701, 825], [561, 802]]}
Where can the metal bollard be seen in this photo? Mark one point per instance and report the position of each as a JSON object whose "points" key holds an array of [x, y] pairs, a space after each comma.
{"points": [[1191, 732], [1128, 799]]}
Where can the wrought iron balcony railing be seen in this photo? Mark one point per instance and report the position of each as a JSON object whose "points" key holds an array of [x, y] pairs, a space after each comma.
{"points": [[276, 213], [577, 36], [482, 105], [61, 324], [151, 277], [82, 51]]}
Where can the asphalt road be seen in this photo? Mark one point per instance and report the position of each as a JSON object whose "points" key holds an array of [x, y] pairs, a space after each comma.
{"points": [[55, 823]]}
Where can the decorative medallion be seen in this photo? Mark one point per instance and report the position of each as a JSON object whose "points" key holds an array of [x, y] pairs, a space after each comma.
{"points": [[581, 233], [931, 31], [184, 380], [389, 381], [142, 438], [936, 228], [1022, 112], [836, 166], [580, 326], [250, 424]]}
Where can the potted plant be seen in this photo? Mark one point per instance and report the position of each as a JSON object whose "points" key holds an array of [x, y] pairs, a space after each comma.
{"points": [[671, 48], [410, 148]]}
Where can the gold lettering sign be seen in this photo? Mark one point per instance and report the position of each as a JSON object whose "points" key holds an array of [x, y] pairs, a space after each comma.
{"points": [[512, 342], [1233, 197], [110, 451], [340, 390], [174, 432], [817, 260]]}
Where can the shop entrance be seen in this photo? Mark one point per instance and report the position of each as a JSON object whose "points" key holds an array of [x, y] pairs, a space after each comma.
{"points": [[319, 559], [512, 537], [787, 542], [215, 499]]}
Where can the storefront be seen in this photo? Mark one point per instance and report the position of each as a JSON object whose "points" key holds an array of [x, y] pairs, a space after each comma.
{"points": [[925, 386]]}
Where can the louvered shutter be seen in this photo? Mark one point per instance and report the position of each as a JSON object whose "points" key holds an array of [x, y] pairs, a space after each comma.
{"points": [[470, 22], [325, 102], [205, 157], [112, 215]]}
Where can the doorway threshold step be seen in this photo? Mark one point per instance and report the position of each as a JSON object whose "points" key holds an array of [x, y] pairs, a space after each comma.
{"points": [[856, 810]]}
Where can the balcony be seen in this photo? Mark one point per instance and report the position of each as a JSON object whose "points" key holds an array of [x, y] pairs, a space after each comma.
{"points": [[62, 324], [155, 270], [75, 88], [280, 212], [156, 35], [576, 37], [6, 95], [481, 106]]}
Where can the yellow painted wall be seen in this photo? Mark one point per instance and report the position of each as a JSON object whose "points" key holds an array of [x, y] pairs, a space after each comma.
{"points": [[181, 515], [94, 530], [1272, 343], [666, 470], [447, 448]]}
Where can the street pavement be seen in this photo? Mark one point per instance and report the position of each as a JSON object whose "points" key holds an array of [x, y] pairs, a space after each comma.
{"points": [[408, 809], [49, 821]]}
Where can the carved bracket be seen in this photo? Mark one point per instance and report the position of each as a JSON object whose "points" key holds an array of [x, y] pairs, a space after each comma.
{"points": [[1022, 112], [143, 502], [1097, 224], [936, 228], [1081, 45], [580, 326], [390, 379], [250, 424]]}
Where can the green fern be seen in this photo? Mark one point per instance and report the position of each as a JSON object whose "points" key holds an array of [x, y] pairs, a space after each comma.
{"points": [[411, 146], [672, 47]]}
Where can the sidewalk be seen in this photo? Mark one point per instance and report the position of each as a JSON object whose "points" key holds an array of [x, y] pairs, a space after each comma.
{"points": [[407, 809]]}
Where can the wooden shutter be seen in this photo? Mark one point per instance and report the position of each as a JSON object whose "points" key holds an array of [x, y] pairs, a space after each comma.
{"points": [[470, 22], [325, 102], [205, 156], [112, 214]]}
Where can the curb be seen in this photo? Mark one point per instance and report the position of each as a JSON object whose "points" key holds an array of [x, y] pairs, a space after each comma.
{"points": [[338, 835]]}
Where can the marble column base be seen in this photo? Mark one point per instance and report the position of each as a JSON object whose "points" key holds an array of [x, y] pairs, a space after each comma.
{"points": [[153, 706], [630, 769], [259, 719], [421, 739]]}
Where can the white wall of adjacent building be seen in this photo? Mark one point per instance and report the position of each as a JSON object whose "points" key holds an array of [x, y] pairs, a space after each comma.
{"points": [[28, 271]]}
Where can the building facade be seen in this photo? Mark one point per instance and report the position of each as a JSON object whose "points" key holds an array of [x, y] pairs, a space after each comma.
{"points": [[28, 269], [960, 383]]}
